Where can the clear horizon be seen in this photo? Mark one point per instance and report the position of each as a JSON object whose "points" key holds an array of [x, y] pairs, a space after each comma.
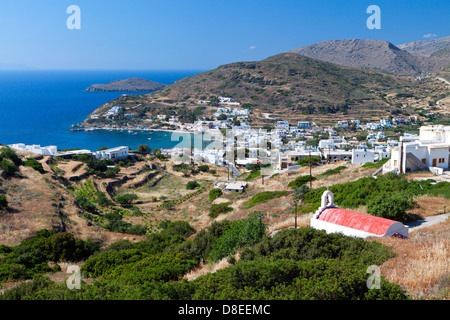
{"points": [[196, 35]]}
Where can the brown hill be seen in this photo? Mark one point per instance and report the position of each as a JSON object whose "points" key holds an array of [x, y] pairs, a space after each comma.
{"points": [[288, 84]]}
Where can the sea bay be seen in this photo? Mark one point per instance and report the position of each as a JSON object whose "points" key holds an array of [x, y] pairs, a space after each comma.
{"points": [[40, 107]]}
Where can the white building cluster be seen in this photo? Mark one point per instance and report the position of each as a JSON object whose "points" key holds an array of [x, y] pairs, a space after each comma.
{"points": [[35, 148], [430, 150]]}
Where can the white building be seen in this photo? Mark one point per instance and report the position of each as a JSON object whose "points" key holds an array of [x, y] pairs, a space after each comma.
{"points": [[113, 153], [112, 111], [282, 125], [362, 156], [385, 123], [35, 148], [342, 124], [238, 186], [432, 149], [304, 125]]}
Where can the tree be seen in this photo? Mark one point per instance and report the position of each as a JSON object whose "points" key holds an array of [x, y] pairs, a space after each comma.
{"points": [[143, 148], [203, 168], [191, 185], [126, 199], [300, 192]]}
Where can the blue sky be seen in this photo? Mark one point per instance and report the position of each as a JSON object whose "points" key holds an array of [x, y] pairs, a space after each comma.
{"points": [[197, 34]]}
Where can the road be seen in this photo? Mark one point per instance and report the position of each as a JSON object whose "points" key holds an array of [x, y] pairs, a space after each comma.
{"points": [[427, 221], [444, 80]]}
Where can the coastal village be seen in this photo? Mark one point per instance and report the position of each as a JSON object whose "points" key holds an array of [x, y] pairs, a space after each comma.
{"points": [[289, 142]]}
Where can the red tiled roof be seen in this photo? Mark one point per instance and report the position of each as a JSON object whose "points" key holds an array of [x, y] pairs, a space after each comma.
{"points": [[356, 220]]}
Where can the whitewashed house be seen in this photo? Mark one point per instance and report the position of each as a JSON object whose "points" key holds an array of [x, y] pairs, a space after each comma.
{"points": [[282, 125], [36, 148], [362, 156], [113, 153], [431, 150]]}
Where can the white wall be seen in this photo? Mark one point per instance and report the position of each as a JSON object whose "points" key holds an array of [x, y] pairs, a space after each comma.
{"points": [[360, 156]]}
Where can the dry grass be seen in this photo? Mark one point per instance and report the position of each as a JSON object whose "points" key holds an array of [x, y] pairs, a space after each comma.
{"points": [[288, 221], [430, 206], [422, 264], [203, 269]]}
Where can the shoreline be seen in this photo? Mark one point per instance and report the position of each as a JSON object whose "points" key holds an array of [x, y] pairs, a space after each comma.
{"points": [[134, 129]]}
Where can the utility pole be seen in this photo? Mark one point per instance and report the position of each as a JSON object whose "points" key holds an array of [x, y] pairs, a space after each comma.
{"points": [[295, 202], [310, 173], [401, 157]]}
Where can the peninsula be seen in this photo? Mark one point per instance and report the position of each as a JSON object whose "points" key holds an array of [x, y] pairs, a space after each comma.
{"points": [[131, 84]]}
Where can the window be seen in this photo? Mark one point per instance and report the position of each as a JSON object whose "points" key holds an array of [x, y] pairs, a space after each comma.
{"points": [[395, 163], [424, 161], [441, 160]]}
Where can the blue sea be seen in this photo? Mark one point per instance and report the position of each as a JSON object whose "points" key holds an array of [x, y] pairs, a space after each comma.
{"points": [[40, 107]]}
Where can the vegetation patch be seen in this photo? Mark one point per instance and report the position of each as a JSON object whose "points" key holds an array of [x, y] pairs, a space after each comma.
{"points": [[219, 208], [331, 172], [299, 181], [264, 197]]}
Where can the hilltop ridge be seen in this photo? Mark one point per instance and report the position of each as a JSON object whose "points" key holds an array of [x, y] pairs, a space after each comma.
{"points": [[131, 84], [409, 59]]}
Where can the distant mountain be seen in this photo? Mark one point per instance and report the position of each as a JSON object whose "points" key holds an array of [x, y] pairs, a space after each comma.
{"points": [[131, 84], [426, 47], [367, 54], [380, 55]]}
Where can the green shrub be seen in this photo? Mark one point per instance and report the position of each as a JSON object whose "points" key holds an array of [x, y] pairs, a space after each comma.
{"points": [[102, 199], [8, 153], [214, 194], [191, 185], [203, 168], [111, 172], [300, 181], [126, 199], [8, 167], [219, 208], [330, 172], [390, 206], [33, 163], [85, 203], [182, 228], [264, 196], [304, 162], [241, 232], [3, 202], [378, 164]]}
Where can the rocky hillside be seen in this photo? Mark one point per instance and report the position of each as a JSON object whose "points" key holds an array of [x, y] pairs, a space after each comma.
{"points": [[131, 84], [426, 47], [378, 55], [287, 85]]}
